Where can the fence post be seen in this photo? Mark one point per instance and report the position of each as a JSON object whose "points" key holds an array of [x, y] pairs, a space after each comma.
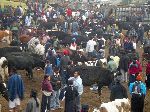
{"points": [[0, 108]]}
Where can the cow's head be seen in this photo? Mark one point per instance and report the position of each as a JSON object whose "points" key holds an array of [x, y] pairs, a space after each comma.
{"points": [[4, 68]]}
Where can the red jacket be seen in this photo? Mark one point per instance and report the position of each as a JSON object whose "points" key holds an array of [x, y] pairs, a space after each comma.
{"points": [[148, 68], [46, 86], [134, 68], [69, 12]]}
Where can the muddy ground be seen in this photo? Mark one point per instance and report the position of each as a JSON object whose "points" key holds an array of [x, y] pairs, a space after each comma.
{"points": [[88, 97]]}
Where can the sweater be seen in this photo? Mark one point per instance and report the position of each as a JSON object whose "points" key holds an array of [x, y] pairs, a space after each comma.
{"points": [[135, 68]]}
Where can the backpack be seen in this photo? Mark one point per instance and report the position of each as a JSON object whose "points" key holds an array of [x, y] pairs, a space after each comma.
{"points": [[136, 88]]}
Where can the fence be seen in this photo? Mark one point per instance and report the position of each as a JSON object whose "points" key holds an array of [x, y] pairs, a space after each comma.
{"points": [[142, 12]]}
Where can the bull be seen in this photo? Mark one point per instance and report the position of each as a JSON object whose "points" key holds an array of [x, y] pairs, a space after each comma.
{"points": [[92, 74]]}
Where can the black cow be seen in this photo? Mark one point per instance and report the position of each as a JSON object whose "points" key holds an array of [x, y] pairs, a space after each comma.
{"points": [[6, 50], [92, 74], [59, 34], [80, 40], [24, 61]]}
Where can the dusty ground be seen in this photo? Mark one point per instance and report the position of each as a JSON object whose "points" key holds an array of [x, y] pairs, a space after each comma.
{"points": [[88, 97]]}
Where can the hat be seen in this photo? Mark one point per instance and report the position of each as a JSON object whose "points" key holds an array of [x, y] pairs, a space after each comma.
{"points": [[139, 77], [65, 52], [81, 50]]}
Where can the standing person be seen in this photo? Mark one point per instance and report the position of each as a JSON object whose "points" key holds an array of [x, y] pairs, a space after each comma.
{"points": [[48, 70], [123, 66], [46, 94], [111, 65], [77, 83], [137, 90], [118, 91], [75, 27], [134, 69], [69, 13], [56, 84], [15, 90], [90, 47], [64, 62], [33, 104], [71, 94], [65, 26], [147, 81], [140, 34], [28, 20]]}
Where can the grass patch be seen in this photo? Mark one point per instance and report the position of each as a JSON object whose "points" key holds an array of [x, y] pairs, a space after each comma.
{"points": [[12, 3]]}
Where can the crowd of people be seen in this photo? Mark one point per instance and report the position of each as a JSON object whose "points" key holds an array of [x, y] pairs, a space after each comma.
{"points": [[57, 81]]}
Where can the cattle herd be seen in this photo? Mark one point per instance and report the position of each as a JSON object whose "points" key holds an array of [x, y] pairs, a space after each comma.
{"points": [[29, 49]]}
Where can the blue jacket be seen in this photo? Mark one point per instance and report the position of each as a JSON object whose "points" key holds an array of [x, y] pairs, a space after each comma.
{"points": [[48, 70], [142, 86], [15, 87]]}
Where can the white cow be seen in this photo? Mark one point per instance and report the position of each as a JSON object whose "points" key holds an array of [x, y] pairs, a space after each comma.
{"points": [[3, 68], [119, 105], [35, 47]]}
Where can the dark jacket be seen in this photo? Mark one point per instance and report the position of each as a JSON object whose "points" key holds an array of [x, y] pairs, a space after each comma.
{"points": [[54, 78], [123, 63], [118, 91], [70, 99], [64, 61], [15, 87], [80, 58]]}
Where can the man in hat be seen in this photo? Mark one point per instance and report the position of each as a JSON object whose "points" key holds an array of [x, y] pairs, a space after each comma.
{"points": [[137, 90], [64, 62]]}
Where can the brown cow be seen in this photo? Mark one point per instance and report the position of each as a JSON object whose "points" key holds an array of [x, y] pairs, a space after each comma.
{"points": [[6, 35]]}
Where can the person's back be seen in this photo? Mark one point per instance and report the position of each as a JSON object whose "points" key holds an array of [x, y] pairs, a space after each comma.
{"points": [[64, 61], [137, 90], [32, 106], [70, 98], [134, 67], [15, 87], [112, 66], [15, 90]]}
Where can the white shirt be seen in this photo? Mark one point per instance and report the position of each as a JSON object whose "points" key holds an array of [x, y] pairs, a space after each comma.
{"points": [[90, 46], [77, 83]]}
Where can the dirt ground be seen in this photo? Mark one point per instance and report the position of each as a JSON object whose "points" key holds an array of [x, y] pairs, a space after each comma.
{"points": [[88, 97]]}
